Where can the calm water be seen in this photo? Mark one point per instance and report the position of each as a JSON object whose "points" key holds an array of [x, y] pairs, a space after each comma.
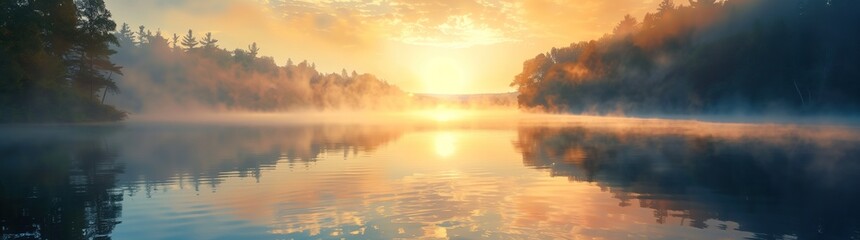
{"points": [[553, 179]]}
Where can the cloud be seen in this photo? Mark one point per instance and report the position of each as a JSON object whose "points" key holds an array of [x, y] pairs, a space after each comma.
{"points": [[462, 23], [392, 38]]}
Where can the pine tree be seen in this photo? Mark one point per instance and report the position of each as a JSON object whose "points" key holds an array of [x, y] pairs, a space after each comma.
{"points": [[665, 5], [626, 26], [189, 41], [703, 3], [175, 41], [208, 42], [253, 50], [125, 36], [54, 57], [93, 52], [141, 35]]}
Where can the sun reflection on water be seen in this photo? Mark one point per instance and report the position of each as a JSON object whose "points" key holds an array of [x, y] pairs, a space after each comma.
{"points": [[446, 144], [556, 179]]}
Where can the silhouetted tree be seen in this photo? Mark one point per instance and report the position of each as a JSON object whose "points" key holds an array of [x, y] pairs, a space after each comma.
{"points": [[175, 41], [142, 36], [665, 6], [125, 36], [93, 53], [208, 42], [158, 41], [703, 3], [253, 50], [189, 41], [54, 57], [626, 26]]}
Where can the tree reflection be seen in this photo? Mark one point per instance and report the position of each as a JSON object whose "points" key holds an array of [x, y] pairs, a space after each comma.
{"points": [[204, 155], [774, 185], [54, 187], [68, 182]]}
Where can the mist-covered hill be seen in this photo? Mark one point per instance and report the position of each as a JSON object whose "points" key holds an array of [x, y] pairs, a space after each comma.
{"points": [[708, 57], [191, 72]]}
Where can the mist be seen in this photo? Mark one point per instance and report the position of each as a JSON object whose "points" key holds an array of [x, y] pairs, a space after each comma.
{"points": [[166, 75], [707, 58], [179, 75]]}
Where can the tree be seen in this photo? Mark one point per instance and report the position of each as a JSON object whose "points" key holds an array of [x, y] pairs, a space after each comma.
{"points": [[93, 51], [189, 41], [141, 35], [665, 6], [344, 74], [703, 3], [54, 57], [253, 50], [158, 41], [627, 26], [208, 42], [61, 16], [125, 36], [175, 41]]}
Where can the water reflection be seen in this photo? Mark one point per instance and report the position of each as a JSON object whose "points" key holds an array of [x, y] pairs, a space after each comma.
{"points": [[789, 181], [58, 187], [589, 179], [194, 155]]}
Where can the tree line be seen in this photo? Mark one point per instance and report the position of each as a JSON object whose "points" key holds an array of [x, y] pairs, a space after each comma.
{"points": [[55, 61], [708, 57], [66, 61], [164, 73]]}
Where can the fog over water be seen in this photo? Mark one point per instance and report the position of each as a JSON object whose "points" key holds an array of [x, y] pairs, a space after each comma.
{"points": [[701, 119], [428, 174]]}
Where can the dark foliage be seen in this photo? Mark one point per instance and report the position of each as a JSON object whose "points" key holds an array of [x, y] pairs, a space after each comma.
{"points": [[709, 57], [775, 183], [54, 61]]}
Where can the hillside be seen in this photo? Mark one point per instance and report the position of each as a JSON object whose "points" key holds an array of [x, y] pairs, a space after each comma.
{"points": [[709, 57]]}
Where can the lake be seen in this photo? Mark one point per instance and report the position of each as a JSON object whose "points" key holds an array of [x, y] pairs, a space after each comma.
{"points": [[540, 177]]}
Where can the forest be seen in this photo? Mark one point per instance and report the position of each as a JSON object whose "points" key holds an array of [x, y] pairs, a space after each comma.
{"points": [[190, 72], [55, 60], [67, 61], [759, 57]]}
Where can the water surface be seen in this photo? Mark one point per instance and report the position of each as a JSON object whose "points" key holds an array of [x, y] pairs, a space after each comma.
{"points": [[540, 178]]}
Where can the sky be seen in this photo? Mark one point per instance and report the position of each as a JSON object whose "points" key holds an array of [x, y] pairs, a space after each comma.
{"points": [[423, 46]]}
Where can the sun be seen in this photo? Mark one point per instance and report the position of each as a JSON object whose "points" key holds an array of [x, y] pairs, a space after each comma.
{"points": [[443, 75]]}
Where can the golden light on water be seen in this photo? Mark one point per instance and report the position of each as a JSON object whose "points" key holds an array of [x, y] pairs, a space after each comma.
{"points": [[439, 179], [445, 144]]}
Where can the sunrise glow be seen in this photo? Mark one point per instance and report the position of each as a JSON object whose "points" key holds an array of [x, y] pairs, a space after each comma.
{"points": [[439, 47], [444, 75], [429, 119]]}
